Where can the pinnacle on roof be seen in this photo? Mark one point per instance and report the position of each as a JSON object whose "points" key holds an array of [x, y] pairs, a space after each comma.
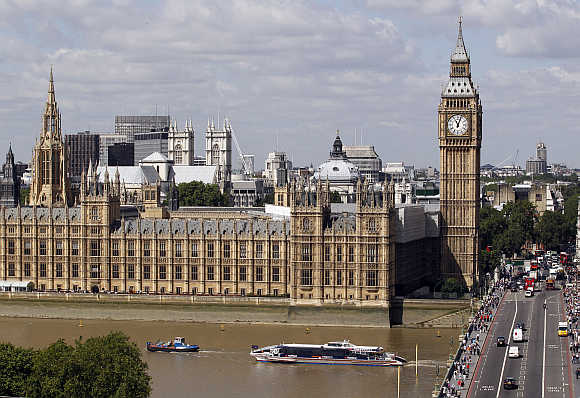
{"points": [[51, 98], [460, 53]]}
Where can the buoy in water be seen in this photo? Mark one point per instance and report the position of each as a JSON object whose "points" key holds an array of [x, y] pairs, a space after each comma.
{"points": [[438, 333], [222, 328], [307, 330], [81, 323]]}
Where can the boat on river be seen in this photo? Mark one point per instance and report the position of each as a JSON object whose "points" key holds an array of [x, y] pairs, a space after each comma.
{"points": [[177, 345], [333, 353]]}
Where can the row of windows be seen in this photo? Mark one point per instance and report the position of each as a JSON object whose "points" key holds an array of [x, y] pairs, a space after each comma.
{"points": [[371, 253], [57, 230], [178, 274], [372, 277], [95, 249]]}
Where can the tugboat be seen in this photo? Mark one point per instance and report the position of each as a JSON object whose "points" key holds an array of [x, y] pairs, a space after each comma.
{"points": [[333, 353], [177, 345]]}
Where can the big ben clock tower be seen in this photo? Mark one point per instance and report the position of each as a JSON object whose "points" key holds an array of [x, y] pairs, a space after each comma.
{"points": [[459, 148]]}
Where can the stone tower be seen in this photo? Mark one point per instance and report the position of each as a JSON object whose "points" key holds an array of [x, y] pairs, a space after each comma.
{"points": [[459, 126], [180, 145], [50, 183], [9, 182], [218, 151]]}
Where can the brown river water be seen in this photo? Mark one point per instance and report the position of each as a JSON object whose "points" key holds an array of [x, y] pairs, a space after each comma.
{"points": [[223, 367]]}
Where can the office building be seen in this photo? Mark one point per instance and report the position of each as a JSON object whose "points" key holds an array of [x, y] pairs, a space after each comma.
{"points": [[83, 148], [131, 125], [147, 143]]}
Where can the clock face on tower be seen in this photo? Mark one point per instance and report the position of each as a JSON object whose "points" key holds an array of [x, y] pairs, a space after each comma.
{"points": [[457, 125]]}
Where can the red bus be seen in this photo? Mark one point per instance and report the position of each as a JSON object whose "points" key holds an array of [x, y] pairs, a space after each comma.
{"points": [[529, 282], [564, 258]]}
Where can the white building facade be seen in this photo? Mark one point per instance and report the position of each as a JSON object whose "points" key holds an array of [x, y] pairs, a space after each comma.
{"points": [[180, 144]]}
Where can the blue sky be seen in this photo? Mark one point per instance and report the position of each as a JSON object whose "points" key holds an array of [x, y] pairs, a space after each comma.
{"points": [[297, 70]]}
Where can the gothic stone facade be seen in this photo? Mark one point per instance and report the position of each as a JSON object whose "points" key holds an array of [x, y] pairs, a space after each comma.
{"points": [[460, 116], [312, 256]]}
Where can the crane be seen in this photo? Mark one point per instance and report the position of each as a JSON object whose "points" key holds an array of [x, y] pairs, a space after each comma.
{"points": [[245, 168]]}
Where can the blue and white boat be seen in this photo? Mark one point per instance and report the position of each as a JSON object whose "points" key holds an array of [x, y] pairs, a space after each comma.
{"points": [[177, 345], [333, 353]]}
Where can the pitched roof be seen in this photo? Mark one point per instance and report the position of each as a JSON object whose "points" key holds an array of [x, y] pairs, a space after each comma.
{"points": [[155, 157], [205, 174]]}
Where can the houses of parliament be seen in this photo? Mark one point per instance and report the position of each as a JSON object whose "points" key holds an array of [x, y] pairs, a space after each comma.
{"points": [[367, 252]]}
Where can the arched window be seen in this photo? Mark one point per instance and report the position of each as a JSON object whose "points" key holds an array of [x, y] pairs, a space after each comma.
{"points": [[215, 154], [178, 154]]}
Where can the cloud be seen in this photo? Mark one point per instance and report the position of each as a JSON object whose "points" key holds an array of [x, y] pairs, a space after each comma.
{"points": [[525, 28], [262, 63], [294, 69]]}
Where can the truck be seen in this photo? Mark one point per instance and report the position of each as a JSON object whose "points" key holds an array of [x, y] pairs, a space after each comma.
{"points": [[550, 284]]}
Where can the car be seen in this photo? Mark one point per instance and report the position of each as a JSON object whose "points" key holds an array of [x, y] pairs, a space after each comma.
{"points": [[514, 352], [510, 383], [514, 288], [529, 293], [518, 335], [501, 341]]}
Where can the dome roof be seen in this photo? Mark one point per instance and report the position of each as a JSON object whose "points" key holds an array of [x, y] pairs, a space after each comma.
{"points": [[337, 170]]}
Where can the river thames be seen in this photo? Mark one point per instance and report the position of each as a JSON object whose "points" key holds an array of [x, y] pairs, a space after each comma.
{"points": [[223, 367]]}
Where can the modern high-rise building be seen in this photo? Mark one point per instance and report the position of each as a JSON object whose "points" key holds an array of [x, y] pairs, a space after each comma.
{"points": [[105, 141], [148, 143], [180, 145], [83, 148], [131, 125], [542, 151], [121, 154], [459, 125], [366, 159], [218, 151], [539, 164]]}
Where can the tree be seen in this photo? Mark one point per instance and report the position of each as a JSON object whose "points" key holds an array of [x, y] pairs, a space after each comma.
{"points": [[489, 260], [15, 368], [521, 214], [52, 375], [107, 366], [552, 229], [196, 193], [491, 224], [24, 194]]}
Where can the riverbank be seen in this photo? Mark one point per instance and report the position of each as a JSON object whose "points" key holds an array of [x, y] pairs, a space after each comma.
{"points": [[408, 313]]}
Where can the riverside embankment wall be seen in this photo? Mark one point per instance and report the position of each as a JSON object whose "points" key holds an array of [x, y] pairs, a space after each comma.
{"points": [[219, 309]]}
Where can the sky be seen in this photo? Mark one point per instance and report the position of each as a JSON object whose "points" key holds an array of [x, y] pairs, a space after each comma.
{"points": [[289, 73]]}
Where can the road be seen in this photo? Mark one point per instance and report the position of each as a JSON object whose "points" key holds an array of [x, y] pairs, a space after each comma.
{"points": [[542, 369]]}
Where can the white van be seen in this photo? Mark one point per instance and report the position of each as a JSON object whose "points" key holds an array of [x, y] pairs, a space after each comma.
{"points": [[514, 352], [518, 336]]}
